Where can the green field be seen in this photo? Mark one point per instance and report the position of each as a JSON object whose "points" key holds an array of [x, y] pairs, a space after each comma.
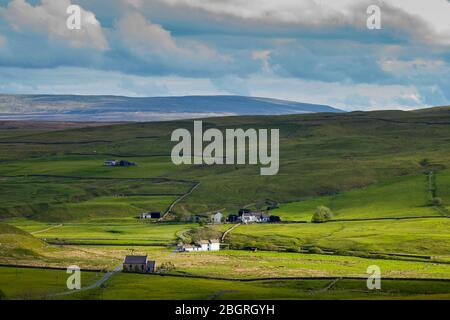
{"points": [[35, 283], [420, 236], [121, 231], [384, 174], [400, 197]]}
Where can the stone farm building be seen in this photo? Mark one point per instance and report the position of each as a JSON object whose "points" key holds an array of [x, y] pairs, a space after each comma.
{"points": [[138, 264]]}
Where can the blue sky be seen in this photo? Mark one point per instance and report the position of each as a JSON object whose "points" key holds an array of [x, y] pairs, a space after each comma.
{"points": [[313, 51]]}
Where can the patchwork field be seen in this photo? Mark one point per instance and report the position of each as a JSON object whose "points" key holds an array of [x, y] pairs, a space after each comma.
{"points": [[419, 236], [395, 198], [121, 231], [47, 284], [384, 175]]}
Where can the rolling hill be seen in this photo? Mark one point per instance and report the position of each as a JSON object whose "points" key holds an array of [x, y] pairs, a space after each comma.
{"points": [[116, 108], [321, 154]]}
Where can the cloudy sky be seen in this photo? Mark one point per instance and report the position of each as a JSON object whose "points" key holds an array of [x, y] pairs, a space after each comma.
{"points": [[317, 51]]}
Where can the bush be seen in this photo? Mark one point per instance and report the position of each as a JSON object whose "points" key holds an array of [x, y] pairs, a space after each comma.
{"points": [[315, 250], [322, 214], [166, 267], [437, 201]]}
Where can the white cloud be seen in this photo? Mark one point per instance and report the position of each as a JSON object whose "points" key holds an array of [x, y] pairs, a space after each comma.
{"points": [[50, 18], [147, 38], [346, 96], [426, 21], [412, 66]]}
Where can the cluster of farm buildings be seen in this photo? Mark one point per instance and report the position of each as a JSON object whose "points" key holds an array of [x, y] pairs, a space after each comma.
{"points": [[245, 216], [118, 163]]}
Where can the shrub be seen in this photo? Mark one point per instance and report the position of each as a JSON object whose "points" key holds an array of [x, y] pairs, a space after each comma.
{"points": [[315, 250], [322, 214], [166, 267], [437, 201]]}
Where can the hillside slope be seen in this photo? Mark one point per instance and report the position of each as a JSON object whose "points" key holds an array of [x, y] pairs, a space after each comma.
{"points": [[116, 108], [320, 154]]}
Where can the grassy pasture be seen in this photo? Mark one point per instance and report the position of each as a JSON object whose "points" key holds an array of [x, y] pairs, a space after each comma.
{"points": [[118, 232], [62, 199], [168, 288], [25, 283], [239, 264], [320, 155], [418, 236], [399, 197], [16, 283]]}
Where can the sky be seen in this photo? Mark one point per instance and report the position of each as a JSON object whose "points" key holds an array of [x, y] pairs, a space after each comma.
{"points": [[313, 51]]}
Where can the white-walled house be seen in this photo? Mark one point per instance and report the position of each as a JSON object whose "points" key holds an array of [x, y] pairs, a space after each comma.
{"points": [[204, 245], [214, 245], [250, 217]]}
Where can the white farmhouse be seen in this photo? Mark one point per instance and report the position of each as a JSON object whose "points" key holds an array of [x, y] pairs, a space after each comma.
{"points": [[204, 245], [249, 217], [214, 245]]}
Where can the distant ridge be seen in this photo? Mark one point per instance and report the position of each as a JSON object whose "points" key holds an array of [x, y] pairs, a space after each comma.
{"points": [[118, 108]]}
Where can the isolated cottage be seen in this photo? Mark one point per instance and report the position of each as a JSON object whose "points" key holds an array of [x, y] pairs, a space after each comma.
{"points": [[138, 264]]}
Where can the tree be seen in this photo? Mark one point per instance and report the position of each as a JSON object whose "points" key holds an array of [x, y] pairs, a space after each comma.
{"points": [[166, 267], [437, 201], [322, 214]]}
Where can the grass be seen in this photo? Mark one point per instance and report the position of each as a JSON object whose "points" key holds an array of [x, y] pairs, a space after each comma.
{"points": [[62, 199], [17, 283], [320, 155], [419, 236], [245, 264], [25, 283], [399, 197], [121, 231], [363, 165], [168, 288]]}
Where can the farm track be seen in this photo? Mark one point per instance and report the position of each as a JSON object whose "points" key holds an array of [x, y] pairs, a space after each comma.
{"points": [[228, 231], [97, 284], [328, 287], [169, 209], [46, 229]]}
